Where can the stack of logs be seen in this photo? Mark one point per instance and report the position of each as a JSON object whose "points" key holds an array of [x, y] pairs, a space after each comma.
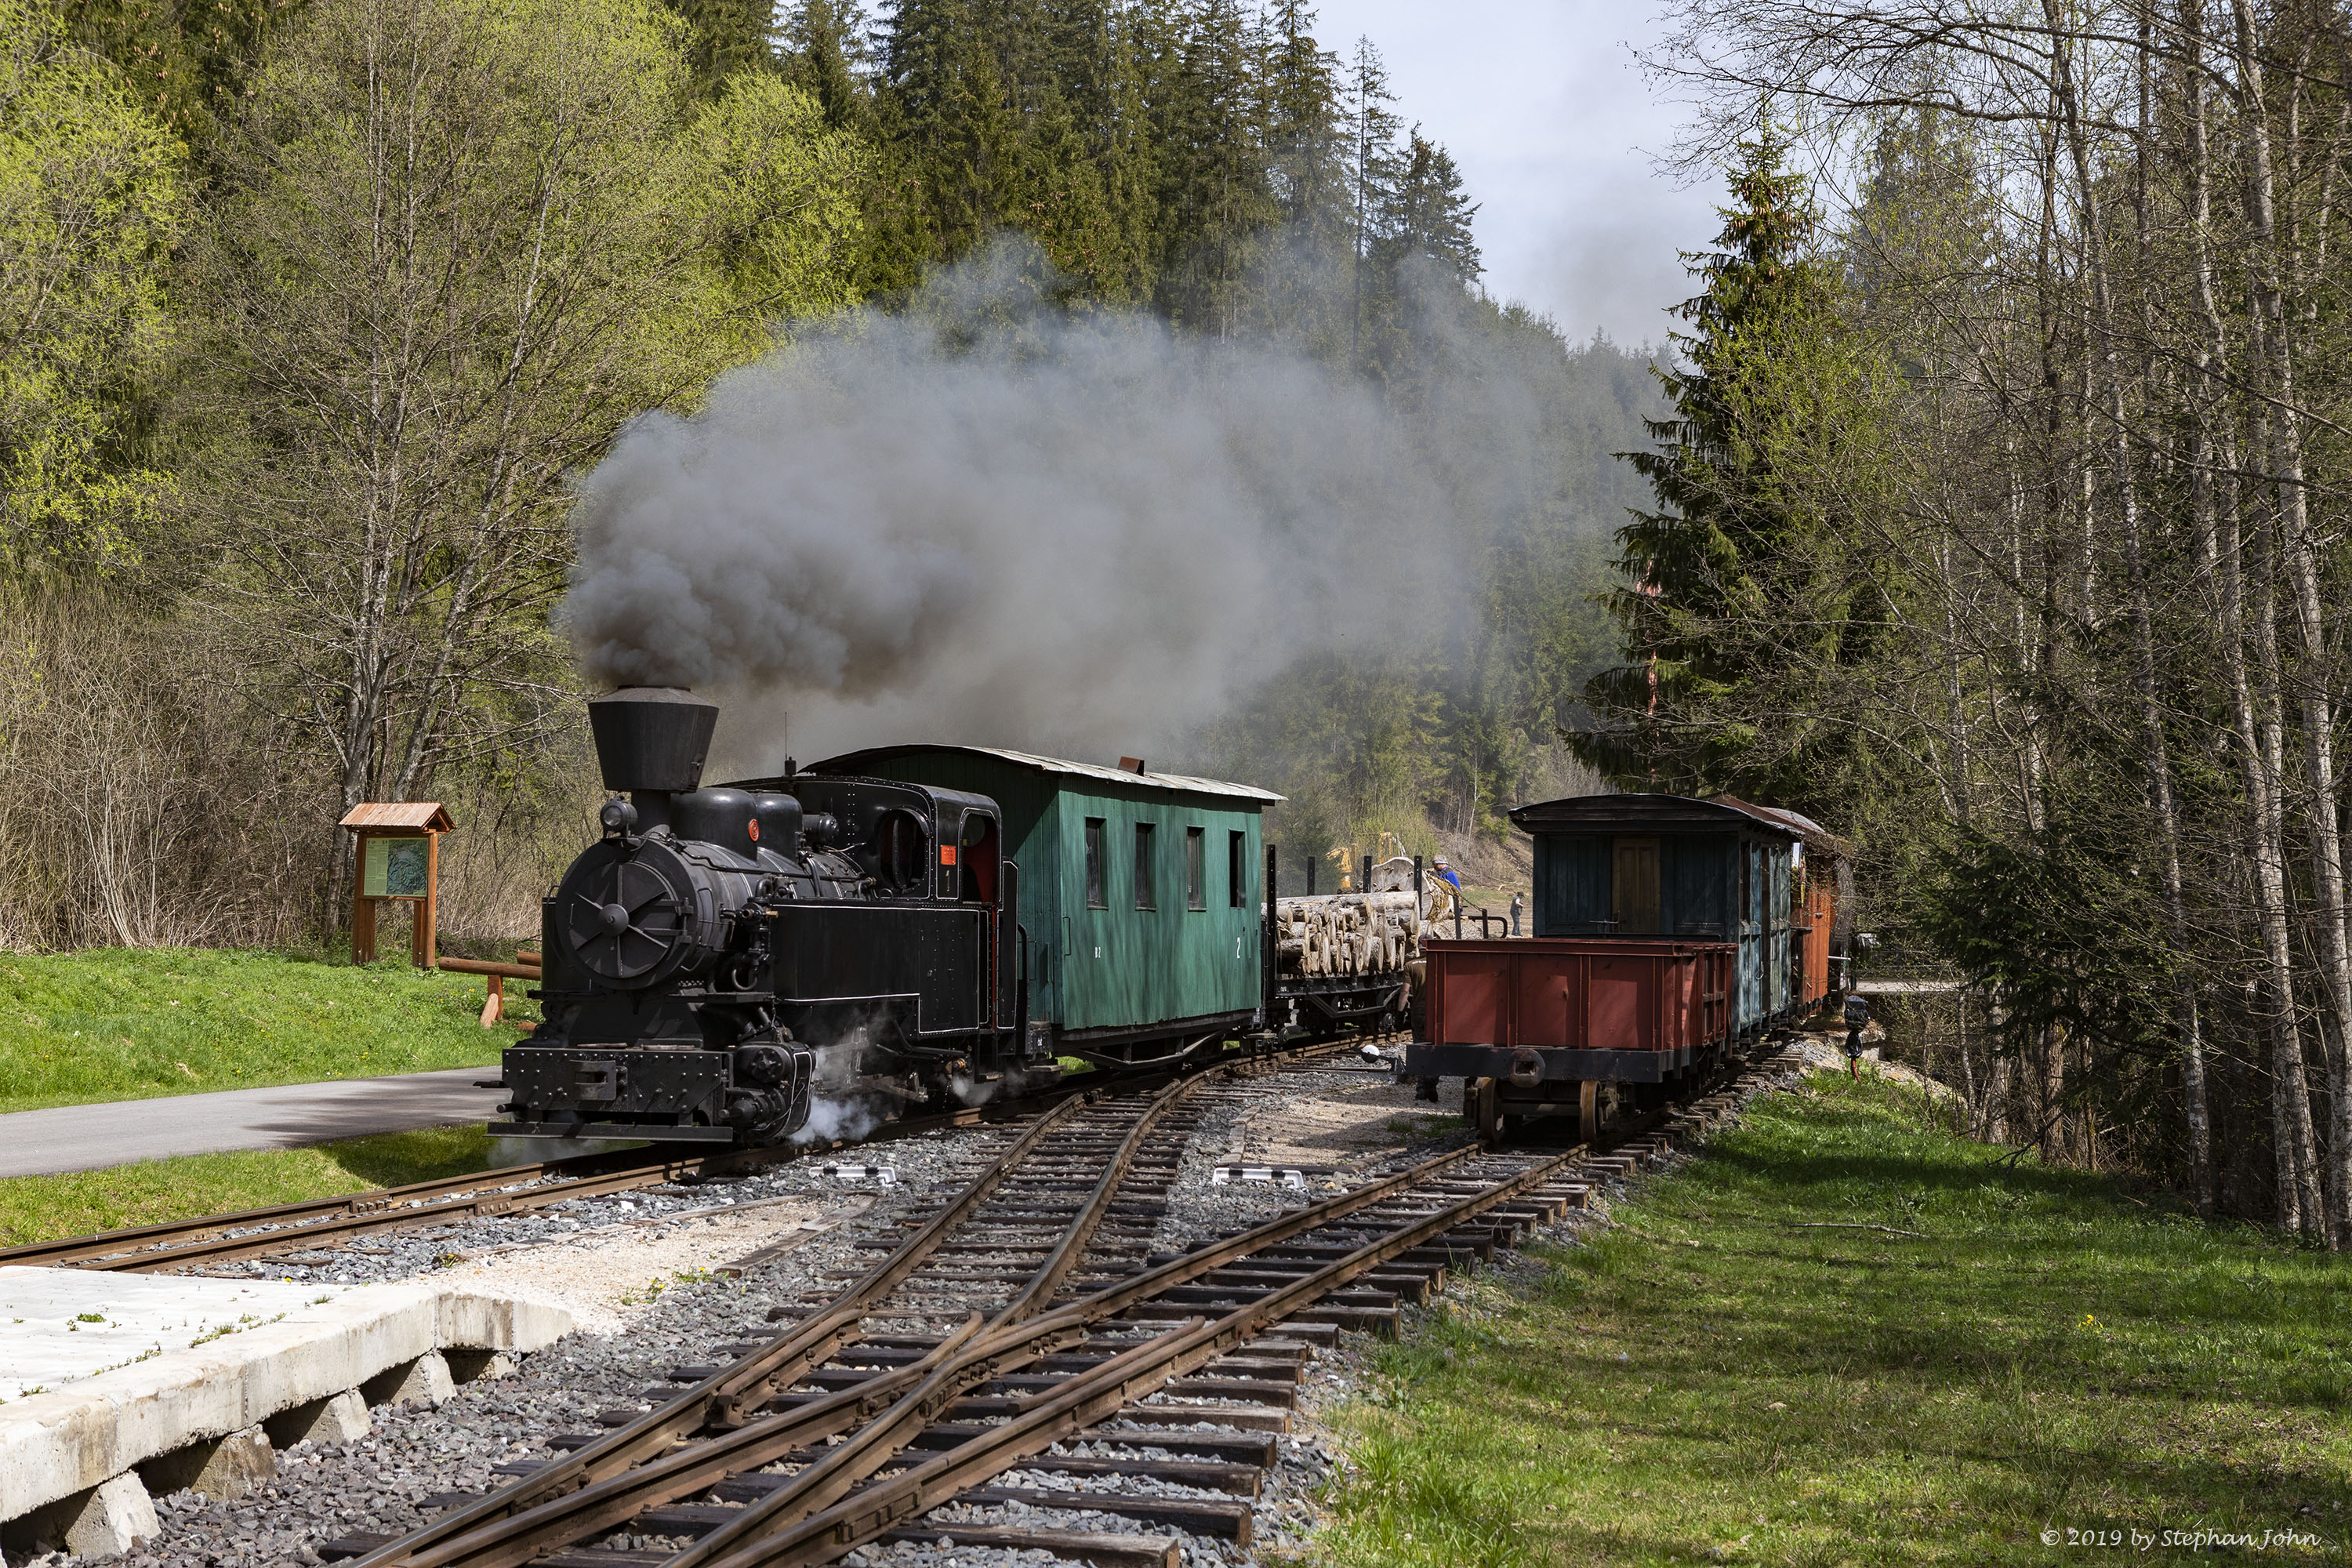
{"points": [[1346, 933]]}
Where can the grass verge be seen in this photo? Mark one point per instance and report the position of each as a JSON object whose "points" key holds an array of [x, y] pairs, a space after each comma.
{"points": [[153, 1192], [1845, 1337], [122, 1024]]}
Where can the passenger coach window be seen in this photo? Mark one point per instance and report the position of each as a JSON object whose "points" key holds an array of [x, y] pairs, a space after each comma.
{"points": [[1094, 899], [1146, 896], [1236, 877], [1196, 874]]}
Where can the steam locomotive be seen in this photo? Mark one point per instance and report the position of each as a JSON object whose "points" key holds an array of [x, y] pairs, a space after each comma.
{"points": [[722, 957], [848, 942], [932, 924]]}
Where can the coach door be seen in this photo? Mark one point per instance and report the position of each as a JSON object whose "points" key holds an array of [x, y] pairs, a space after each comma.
{"points": [[1634, 888]]}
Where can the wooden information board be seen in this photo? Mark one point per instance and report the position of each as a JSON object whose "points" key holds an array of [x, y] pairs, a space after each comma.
{"points": [[397, 856]]}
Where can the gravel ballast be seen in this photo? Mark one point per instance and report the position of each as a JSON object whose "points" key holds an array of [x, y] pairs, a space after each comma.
{"points": [[639, 1264]]}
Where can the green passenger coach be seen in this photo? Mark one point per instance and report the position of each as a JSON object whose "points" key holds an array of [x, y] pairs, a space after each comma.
{"points": [[1140, 896]]}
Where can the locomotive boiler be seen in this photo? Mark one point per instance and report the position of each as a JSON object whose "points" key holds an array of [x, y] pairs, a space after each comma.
{"points": [[723, 958]]}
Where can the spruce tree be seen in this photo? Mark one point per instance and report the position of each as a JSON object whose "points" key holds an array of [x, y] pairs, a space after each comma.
{"points": [[1303, 288], [1430, 214], [819, 49], [728, 35], [1372, 128], [1085, 188], [946, 116], [1307, 137], [1214, 199], [1744, 598]]}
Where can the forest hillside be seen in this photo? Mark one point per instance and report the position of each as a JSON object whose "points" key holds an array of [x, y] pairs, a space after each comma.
{"points": [[293, 439]]}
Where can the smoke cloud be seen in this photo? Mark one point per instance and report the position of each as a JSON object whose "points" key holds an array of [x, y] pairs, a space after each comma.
{"points": [[989, 521]]}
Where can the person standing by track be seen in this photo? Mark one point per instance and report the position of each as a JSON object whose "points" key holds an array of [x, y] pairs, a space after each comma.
{"points": [[1857, 1019]]}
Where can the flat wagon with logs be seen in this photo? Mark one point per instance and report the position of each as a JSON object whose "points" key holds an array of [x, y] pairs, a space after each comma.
{"points": [[1351, 958]]}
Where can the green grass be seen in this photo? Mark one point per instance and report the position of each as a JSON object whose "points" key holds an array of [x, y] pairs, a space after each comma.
{"points": [[119, 1024], [1709, 1382], [42, 1208]]}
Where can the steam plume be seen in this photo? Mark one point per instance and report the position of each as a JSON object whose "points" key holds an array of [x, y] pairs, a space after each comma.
{"points": [[988, 521]]}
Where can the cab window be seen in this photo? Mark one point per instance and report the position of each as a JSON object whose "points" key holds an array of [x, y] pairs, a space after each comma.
{"points": [[902, 853]]}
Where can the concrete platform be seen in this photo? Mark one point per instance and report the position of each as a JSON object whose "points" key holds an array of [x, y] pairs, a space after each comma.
{"points": [[62, 1325], [115, 1132], [149, 1382]]}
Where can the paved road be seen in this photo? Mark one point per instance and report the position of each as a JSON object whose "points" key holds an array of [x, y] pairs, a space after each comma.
{"points": [[91, 1137]]}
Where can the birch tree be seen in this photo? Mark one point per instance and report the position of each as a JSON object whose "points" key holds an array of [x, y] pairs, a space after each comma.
{"points": [[463, 243], [2115, 512]]}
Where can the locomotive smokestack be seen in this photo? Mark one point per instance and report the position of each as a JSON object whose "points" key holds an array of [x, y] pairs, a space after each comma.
{"points": [[651, 741]]}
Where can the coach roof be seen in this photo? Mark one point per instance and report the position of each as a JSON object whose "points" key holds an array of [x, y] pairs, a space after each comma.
{"points": [[874, 756], [1647, 813]]}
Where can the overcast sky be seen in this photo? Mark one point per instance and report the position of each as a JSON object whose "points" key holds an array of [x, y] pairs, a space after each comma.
{"points": [[1554, 129]]}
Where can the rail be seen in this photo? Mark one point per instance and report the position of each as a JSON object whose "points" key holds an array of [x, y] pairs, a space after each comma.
{"points": [[841, 1496], [254, 1233]]}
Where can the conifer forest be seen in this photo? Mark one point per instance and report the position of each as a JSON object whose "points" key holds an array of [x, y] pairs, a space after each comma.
{"points": [[1983, 502]]}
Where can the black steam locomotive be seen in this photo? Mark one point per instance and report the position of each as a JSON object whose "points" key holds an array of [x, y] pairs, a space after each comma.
{"points": [[723, 957]]}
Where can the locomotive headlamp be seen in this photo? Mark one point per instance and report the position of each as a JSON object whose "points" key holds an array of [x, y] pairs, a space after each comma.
{"points": [[618, 816]]}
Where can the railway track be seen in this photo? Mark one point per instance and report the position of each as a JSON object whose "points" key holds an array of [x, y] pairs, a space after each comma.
{"points": [[1016, 1319], [511, 1189]]}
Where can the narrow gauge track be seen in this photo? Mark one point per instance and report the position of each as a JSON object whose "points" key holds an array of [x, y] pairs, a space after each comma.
{"points": [[987, 1337], [511, 1189]]}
